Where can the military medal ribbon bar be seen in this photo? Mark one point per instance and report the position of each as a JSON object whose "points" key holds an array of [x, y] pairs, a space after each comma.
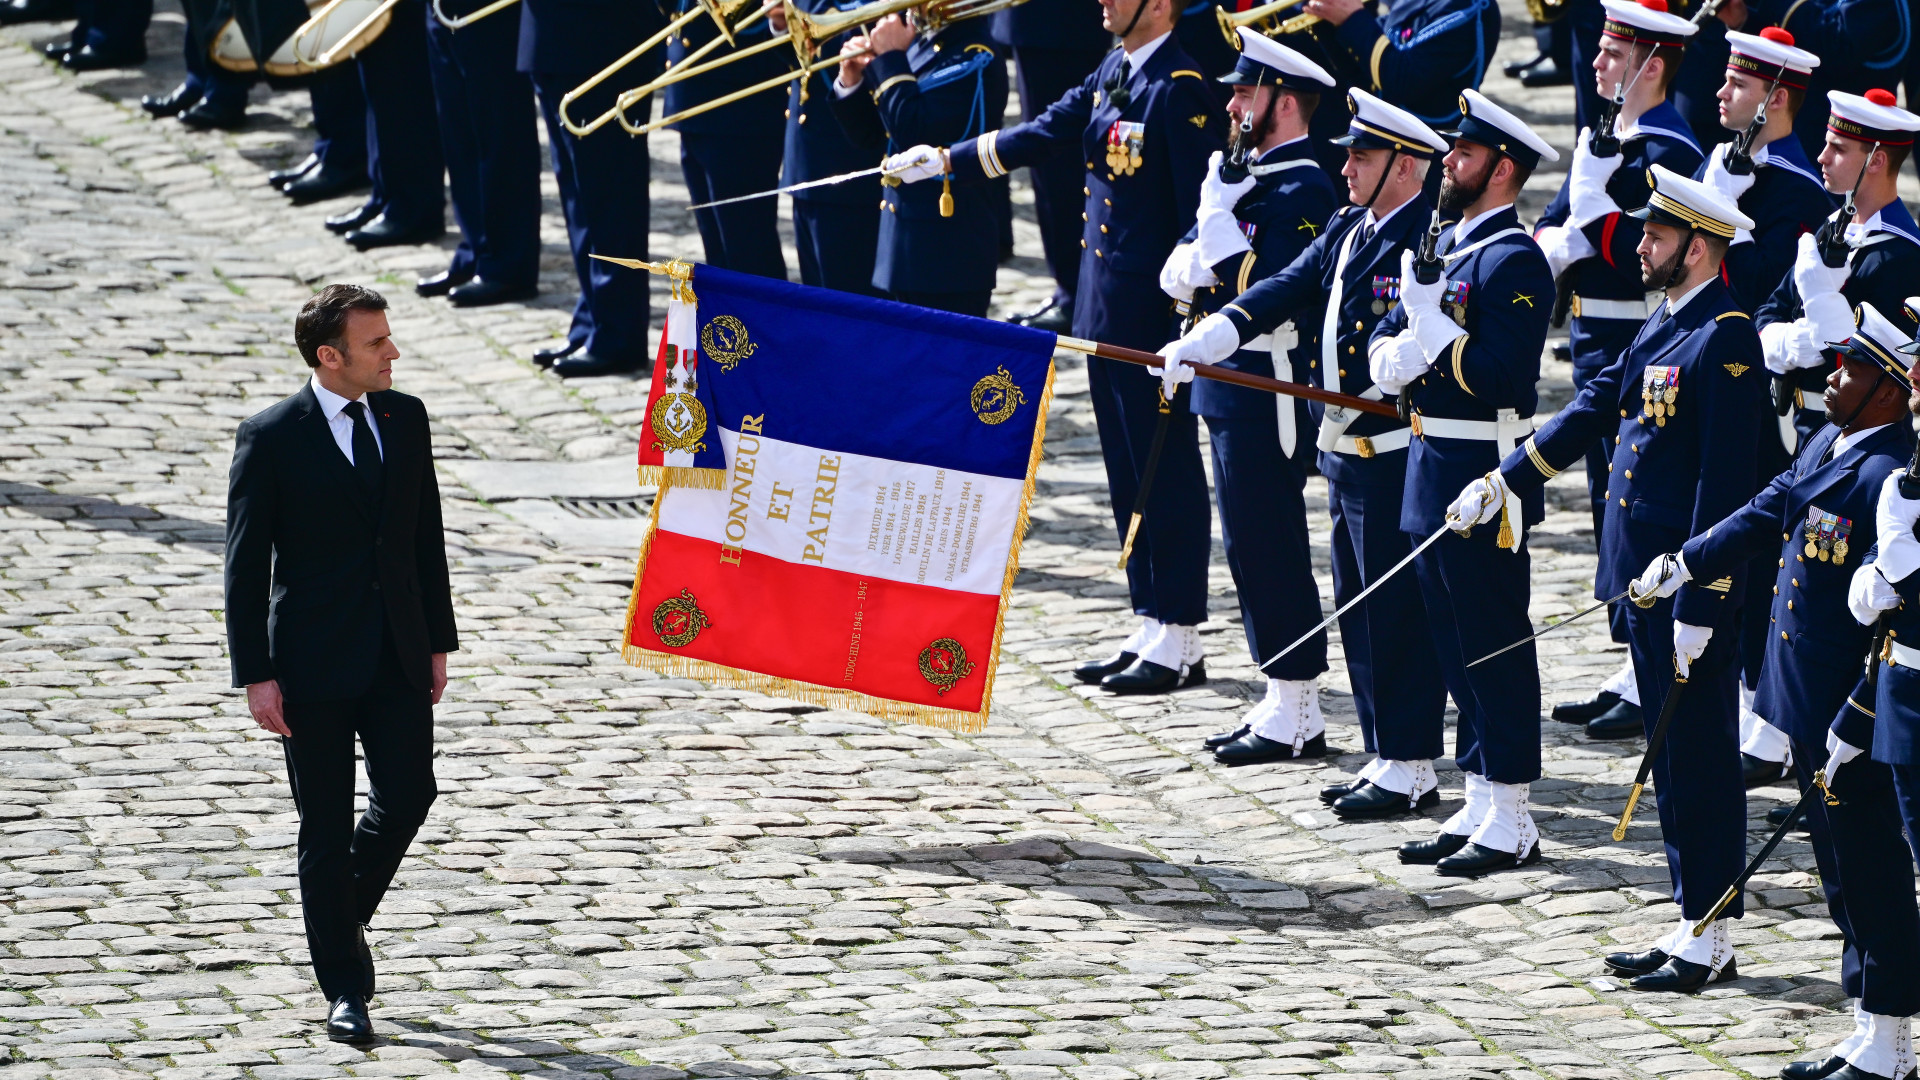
{"points": [[844, 488]]}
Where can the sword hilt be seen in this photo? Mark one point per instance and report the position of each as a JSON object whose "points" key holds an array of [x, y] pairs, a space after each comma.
{"points": [[1626, 815]]}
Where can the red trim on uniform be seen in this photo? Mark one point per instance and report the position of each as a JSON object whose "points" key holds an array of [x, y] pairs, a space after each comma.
{"points": [[1606, 237]]}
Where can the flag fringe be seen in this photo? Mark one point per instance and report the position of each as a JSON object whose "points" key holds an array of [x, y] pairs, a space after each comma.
{"points": [[663, 476]]}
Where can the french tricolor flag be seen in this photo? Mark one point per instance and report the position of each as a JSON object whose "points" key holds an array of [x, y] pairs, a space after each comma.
{"points": [[857, 543]]}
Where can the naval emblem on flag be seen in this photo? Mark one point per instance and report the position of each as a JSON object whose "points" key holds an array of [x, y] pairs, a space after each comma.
{"points": [[844, 487]]}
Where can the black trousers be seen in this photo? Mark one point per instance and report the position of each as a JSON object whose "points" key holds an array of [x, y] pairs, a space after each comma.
{"points": [[744, 236], [345, 868], [973, 302], [837, 244], [1045, 76], [403, 132]]}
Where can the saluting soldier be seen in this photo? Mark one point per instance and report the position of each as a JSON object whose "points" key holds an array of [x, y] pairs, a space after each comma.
{"points": [[1590, 245], [939, 247], [1146, 124], [835, 229], [1464, 353], [1250, 229], [1419, 55], [1817, 518], [1352, 270], [1689, 396]]}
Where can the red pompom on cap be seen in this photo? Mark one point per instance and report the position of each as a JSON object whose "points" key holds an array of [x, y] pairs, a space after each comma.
{"points": [[1881, 97], [1654, 5], [1777, 35]]}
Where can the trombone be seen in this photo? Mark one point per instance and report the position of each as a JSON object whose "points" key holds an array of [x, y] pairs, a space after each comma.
{"points": [[805, 33], [1265, 18], [719, 10], [455, 22], [333, 49]]}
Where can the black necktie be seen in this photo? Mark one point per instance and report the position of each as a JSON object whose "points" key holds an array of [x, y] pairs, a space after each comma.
{"points": [[366, 452], [1117, 92]]}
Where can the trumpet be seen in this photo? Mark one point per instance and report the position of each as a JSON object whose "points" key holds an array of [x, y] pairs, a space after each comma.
{"points": [[719, 10], [805, 33], [455, 22], [1266, 19]]}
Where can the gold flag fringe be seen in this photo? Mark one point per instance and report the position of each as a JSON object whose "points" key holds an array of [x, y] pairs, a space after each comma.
{"points": [[674, 665]]}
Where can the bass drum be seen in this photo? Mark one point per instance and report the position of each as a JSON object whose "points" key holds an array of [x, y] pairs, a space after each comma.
{"points": [[336, 31], [250, 29]]}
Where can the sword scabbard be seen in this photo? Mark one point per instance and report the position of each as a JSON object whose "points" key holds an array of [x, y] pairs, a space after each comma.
{"points": [[1626, 815]]}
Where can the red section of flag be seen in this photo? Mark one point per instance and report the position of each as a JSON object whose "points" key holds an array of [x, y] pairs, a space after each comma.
{"points": [[810, 624]]}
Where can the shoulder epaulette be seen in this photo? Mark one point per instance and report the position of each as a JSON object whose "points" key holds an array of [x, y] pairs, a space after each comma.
{"points": [[1732, 315]]}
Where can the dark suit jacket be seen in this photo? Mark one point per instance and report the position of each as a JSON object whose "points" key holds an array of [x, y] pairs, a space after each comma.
{"points": [[316, 565]]}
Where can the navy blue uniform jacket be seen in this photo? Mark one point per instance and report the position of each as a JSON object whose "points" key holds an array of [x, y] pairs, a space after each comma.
{"points": [[1668, 483], [1787, 198], [1508, 300], [1133, 219], [579, 37], [1421, 54], [817, 146], [753, 118], [1814, 646], [1862, 44]]}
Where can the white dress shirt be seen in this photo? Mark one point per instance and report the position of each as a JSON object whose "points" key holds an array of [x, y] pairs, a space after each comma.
{"points": [[335, 408]]}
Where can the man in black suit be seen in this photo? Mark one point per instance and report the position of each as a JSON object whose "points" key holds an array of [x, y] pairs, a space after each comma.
{"points": [[340, 619]]}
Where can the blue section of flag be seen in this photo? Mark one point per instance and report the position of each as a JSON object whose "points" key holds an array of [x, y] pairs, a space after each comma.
{"points": [[851, 374]]}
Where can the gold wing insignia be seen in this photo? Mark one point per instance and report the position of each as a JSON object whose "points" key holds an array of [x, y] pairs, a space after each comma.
{"points": [[1735, 370], [1198, 121]]}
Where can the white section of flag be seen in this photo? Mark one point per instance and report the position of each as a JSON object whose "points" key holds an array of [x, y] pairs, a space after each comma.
{"points": [[883, 519]]}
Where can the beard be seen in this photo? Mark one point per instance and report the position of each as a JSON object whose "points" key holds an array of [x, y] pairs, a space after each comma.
{"points": [[1658, 277], [1458, 194], [1243, 143]]}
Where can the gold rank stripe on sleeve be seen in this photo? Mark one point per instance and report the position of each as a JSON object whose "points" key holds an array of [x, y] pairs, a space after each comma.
{"points": [[895, 81], [1725, 584], [1863, 709], [1533, 455], [987, 147], [1238, 308], [1459, 353]]}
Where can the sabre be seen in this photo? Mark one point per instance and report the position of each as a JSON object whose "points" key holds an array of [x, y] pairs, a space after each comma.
{"points": [[1818, 787], [1556, 626], [822, 182], [1654, 742], [1364, 593]]}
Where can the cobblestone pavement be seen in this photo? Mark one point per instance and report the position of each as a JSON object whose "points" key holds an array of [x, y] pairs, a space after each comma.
{"points": [[643, 878]]}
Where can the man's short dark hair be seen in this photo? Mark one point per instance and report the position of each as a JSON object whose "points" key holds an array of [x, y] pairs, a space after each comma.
{"points": [[1304, 100], [323, 320]]}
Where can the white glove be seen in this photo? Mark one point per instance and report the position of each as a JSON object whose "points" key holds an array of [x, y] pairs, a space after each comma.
{"points": [[1183, 272], [1829, 320], [1893, 522], [1216, 193], [922, 162], [1172, 376], [1435, 332], [1217, 236], [1839, 752], [1689, 641], [1414, 295], [1396, 361], [1479, 502], [1789, 346], [1811, 275], [1587, 183], [1211, 340], [1868, 594], [1663, 577], [1563, 245], [1718, 178]]}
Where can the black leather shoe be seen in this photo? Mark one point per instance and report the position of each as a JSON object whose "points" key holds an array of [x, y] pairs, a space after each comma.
{"points": [[366, 962], [1056, 318], [171, 103], [1679, 976], [1623, 721], [1811, 1070], [1333, 792], [1094, 670], [1428, 852], [280, 178], [57, 50], [348, 1021], [1370, 801], [353, 219], [320, 184], [1759, 772], [385, 232], [23, 11], [1848, 1071], [441, 284], [1475, 861], [1635, 963], [88, 58], [481, 293], [1516, 68], [546, 358], [583, 365], [1147, 677], [1546, 74], [206, 116], [1251, 749], [1579, 712], [1220, 739], [1780, 813]]}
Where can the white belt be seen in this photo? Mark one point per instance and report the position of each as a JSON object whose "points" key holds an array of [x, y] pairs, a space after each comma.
{"points": [[1592, 307], [1263, 343], [1904, 656], [1367, 446], [1507, 431]]}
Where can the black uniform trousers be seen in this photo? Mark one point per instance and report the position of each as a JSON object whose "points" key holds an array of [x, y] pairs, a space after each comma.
{"points": [[206, 80], [403, 144], [1696, 777], [1167, 575], [339, 119], [1476, 596], [1866, 871], [1397, 690], [112, 26], [492, 145], [745, 236], [1598, 342], [1044, 77], [603, 192], [1263, 521], [344, 867], [837, 243], [963, 302]]}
